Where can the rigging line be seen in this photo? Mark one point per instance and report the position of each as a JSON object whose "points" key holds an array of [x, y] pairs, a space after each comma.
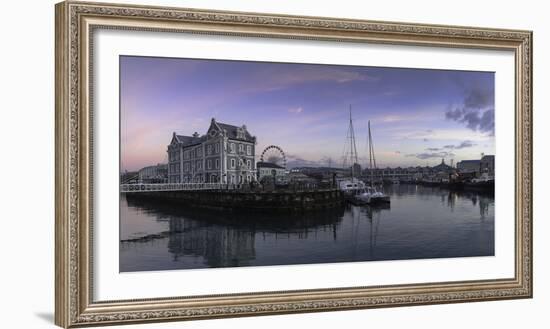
{"points": [[354, 154]]}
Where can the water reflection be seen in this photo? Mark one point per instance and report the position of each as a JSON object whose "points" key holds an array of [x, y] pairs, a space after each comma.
{"points": [[225, 239], [423, 222], [483, 200]]}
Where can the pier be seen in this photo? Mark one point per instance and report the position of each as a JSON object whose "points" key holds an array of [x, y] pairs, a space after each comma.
{"points": [[140, 188], [231, 197]]}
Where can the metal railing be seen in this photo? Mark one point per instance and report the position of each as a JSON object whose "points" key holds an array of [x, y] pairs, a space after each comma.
{"points": [[245, 187], [170, 187]]}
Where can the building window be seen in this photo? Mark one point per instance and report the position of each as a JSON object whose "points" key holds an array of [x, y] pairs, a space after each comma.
{"points": [[241, 148], [209, 164], [249, 164], [199, 153], [217, 148], [186, 166], [232, 147], [217, 163], [240, 133], [232, 163], [249, 150], [199, 164], [209, 149]]}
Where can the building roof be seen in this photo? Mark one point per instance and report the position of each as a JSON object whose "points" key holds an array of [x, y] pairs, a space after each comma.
{"points": [[469, 161], [190, 140], [268, 165], [442, 166], [160, 166], [232, 130]]}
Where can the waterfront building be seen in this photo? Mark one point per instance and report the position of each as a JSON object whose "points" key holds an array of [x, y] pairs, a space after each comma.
{"points": [[356, 170], [225, 154], [442, 167], [399, 173], [302, 180], [268, 171], [129, 177], [487, 164], [297, 176], [468, 166], [154, 174]]}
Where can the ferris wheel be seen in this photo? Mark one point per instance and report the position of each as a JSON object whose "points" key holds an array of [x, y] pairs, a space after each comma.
{"points": [[274, 154]]}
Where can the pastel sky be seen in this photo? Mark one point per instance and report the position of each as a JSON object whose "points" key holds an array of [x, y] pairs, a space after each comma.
{"points": [[418, 116]]}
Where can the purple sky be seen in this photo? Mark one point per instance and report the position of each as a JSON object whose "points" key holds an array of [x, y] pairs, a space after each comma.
{"points": [[417, 116]]}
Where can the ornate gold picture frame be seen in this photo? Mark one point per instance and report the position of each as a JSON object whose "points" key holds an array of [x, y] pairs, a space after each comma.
{"points": [[76, 23]]}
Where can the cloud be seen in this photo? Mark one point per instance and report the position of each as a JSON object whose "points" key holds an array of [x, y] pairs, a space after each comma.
{"points": [[431, 155], [438, 134], [393, 118], [438, 152], [479, 99], [462, 145], [477, 111], [295, 110], [277, 78]]}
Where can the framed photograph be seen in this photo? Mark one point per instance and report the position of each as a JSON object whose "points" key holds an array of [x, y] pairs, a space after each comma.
{"points": [[218, 164]]}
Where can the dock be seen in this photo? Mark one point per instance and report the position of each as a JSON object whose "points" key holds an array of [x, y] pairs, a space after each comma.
{"points": [[237, 198]]}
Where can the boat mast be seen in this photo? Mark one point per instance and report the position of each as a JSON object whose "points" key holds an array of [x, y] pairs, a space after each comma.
{"points": [[372, 159], [352, 154]]}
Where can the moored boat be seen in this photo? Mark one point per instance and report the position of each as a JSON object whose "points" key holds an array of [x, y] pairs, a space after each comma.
{"points": [[375, 196], [485, 182]]}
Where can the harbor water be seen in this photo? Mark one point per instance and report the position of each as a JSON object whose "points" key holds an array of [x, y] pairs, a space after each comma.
{"points": [[422, 222]]}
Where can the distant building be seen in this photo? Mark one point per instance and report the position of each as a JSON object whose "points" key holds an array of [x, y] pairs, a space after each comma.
{"points": [[356, 170], [225, 154], [268, 170], [154, 174], [298, 177], [129, 177], [407, 174], [487, 164], [468, 166], [442, 167]]}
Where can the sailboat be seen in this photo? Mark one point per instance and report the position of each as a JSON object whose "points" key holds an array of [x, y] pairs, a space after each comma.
{"points": [[372, 196], [351, 186]]}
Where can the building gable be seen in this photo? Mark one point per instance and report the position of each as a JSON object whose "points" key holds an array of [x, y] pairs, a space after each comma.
{"points": [[214, 130], [174, 140]]}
